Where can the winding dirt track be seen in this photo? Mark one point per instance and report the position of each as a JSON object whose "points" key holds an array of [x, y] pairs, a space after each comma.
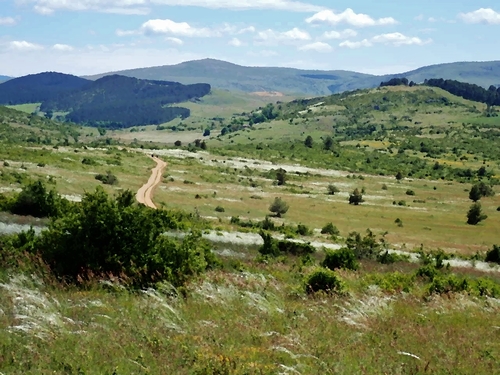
{"points": [[145, 193]]}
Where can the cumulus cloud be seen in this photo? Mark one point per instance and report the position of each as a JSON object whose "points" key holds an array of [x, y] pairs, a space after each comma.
{"points": [[143, 6], [7, 21], [235, 42], [349, 17], [354, 45], [175, 41], [62, 47], [398, 39], [395, 39], [317, 47], [345, 34], [482, 15], [273, 37], [22, 45], [166, 26]]}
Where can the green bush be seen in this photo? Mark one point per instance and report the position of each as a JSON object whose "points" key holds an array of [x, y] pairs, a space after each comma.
{"points": [[105, 236], [35, 200], [392, 282], [364, 247], [303, 230], [493, 256], [343, 258], [410, 192], [442, 284], [325, 280], [107, 179], [390, 258], [330, 229], [89, 161], [274, 248], [220, 209]]}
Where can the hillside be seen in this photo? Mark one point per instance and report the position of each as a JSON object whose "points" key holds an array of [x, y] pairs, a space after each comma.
{"points": [[36, 88], [225, 75], [117, 101], [4, 78]]}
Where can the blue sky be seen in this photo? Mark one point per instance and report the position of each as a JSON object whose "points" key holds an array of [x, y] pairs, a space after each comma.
{"points": [[95, 36]]}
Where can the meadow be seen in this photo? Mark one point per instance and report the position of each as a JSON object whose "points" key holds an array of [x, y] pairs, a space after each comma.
{"points": [[413, 295]]}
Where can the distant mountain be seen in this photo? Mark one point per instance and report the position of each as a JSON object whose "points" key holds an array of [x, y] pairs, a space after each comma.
{"points": [[4, 78], [36, 88], [225, 75], [117, 101]]}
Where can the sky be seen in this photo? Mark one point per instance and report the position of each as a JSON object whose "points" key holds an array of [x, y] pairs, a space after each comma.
{"points": [[84, 37]]}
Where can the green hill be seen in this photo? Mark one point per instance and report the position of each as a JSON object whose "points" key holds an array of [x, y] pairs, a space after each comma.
{"points": [[225, 75], [36, 88]]}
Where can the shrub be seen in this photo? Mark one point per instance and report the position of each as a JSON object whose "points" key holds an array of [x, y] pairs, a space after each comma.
{"points": [[177, 143], [343, 258], [325, 280], [303, 230], [410, 192], [35, 200], [356, 197], [384, 187], [220, 209], [105, 236], [89, 161], [273, 247], [330, 229], [390, 258], [364, 247], [399, 222], [279, 207], [493, 256], [332, 189], [108, 178], [475, 214], [392, 282]]}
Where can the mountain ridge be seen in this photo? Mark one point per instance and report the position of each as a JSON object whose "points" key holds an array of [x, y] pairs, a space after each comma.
{"points": [[230, 76]]}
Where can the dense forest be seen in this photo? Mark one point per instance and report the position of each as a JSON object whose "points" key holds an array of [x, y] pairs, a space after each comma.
{"points": [[37, 88], [110, 102], [467, 90]]}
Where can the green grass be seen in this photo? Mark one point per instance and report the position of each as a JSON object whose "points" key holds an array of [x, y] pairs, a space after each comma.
{"points": [[26, 108]]}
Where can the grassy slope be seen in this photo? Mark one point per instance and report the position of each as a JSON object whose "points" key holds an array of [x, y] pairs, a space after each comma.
{"points": [[225, 75]]}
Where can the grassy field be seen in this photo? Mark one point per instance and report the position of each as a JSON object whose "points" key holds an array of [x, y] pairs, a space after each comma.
{"points": [[252, 313]]}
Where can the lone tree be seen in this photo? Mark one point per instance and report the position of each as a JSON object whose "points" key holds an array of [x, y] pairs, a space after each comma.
{"points": [[328, 143], [475, 214], [356, 197], [309, 141], [281, 176], [475, 193], [399, 176], [332, 189], [279, 207]]}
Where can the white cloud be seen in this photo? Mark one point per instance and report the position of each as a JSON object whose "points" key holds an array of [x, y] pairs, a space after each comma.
{"points": [[270, 37], [142, 6], [235, 42], [345, 34], [482, 15], [62, 47], [432, 19], [23, 45], [398, 39], [316, 46], [7, 21], [249, 29], [173, 40], [354, 45], [395, 39], [167, 26], [349, 17], [420, 17]]}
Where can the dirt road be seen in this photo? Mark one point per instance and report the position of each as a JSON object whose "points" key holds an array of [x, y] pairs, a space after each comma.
{"points": [[145, 193]]}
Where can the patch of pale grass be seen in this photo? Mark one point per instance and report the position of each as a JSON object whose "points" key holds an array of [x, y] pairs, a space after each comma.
{"points": [[34, 313], [357, 312]]}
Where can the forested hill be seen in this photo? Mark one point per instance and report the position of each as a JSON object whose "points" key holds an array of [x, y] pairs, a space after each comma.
{"points": [[36, 88], [117, 101]]}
